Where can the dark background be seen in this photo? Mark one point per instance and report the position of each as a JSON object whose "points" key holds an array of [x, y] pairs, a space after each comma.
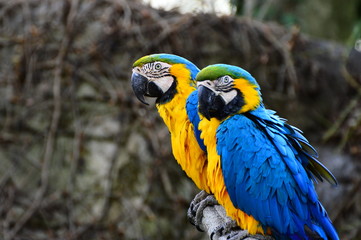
{"points": [[82, 158]]}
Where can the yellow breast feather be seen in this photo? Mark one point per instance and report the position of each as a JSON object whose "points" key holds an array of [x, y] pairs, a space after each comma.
{"points": [[216, 180], [186, 150]]}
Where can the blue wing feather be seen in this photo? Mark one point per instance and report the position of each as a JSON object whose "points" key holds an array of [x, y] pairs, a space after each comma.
{"points": [[266, 177], [192, 112], [307, 155]]}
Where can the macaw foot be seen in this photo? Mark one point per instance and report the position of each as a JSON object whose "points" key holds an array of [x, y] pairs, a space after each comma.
{"points": [[244, 234], [238, 235], [226, 231], [199, 203], [231, 231]]}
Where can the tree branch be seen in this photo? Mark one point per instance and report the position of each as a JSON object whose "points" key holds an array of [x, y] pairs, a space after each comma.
{"points": [[215, 218]]}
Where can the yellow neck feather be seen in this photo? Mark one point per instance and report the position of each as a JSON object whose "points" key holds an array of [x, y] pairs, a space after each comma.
{"points": [[185, 147], [174, 110], [250, 93], [216, 180]]}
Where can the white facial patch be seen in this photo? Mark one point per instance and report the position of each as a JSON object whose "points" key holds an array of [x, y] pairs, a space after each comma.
{"points": [[137, 70], [164, 83], [158, 73], [206, 83], [228, 96]]}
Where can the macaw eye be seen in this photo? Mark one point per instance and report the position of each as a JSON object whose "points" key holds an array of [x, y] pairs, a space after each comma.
{"points": [[158, 66], [225, 80]]}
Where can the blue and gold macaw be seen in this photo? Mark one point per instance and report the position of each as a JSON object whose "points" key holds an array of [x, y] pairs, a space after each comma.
{"points": [[170, 79], [257, 163]]}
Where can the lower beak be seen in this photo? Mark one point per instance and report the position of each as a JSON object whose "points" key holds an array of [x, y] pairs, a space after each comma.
{"points": [[143, 87], [210, 104], [139, 85]]}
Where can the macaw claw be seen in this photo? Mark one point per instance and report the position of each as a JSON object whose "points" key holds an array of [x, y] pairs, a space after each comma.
{"points": [[231, 231], [198, 204]]}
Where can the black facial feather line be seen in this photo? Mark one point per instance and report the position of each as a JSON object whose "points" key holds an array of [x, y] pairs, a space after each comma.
{"points": [[150, 71]]}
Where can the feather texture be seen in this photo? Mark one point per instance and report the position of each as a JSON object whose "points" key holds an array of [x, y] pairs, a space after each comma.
{"points": [[216, 176], [266, 172], [177, 115], [193, 116], [301, 148], [267, 166]]}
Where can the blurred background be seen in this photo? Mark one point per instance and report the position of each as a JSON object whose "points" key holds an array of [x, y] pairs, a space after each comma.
{"points": [[82, 158]]}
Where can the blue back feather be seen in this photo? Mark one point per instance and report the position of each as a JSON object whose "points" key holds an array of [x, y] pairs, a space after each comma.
{"points": [[192, 112], [301, 148], [267, 174]]}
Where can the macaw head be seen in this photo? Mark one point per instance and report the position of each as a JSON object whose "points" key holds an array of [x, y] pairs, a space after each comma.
{"points": [[224, 90], [161, 76]]}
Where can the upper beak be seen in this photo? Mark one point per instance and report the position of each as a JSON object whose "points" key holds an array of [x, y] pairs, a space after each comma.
{"points": [[209, 102], [139, 85], [143, 87]]}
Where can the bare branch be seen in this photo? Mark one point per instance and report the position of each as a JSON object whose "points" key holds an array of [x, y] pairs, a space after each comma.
{"points": [[214, 218]]}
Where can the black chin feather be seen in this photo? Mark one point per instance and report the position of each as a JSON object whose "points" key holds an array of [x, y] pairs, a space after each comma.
{"points": [[169, 94], [211, 105], [232, 107]]}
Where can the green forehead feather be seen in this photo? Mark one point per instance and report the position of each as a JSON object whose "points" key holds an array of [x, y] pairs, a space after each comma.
{"points": [[213, 72], [147, 59], [162, 57], [167, 58]]}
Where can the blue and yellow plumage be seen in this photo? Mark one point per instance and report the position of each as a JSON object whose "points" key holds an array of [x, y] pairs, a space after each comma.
{"points": [[256, 161], [170, 79], [172, 84]]}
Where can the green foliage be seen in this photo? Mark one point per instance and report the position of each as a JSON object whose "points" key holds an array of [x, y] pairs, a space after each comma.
{"points": [[332, 19], [355, 34]]}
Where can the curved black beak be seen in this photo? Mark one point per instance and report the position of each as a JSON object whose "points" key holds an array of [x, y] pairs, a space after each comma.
{"points": [[139, 85], [209, 104], [143, 87]]}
